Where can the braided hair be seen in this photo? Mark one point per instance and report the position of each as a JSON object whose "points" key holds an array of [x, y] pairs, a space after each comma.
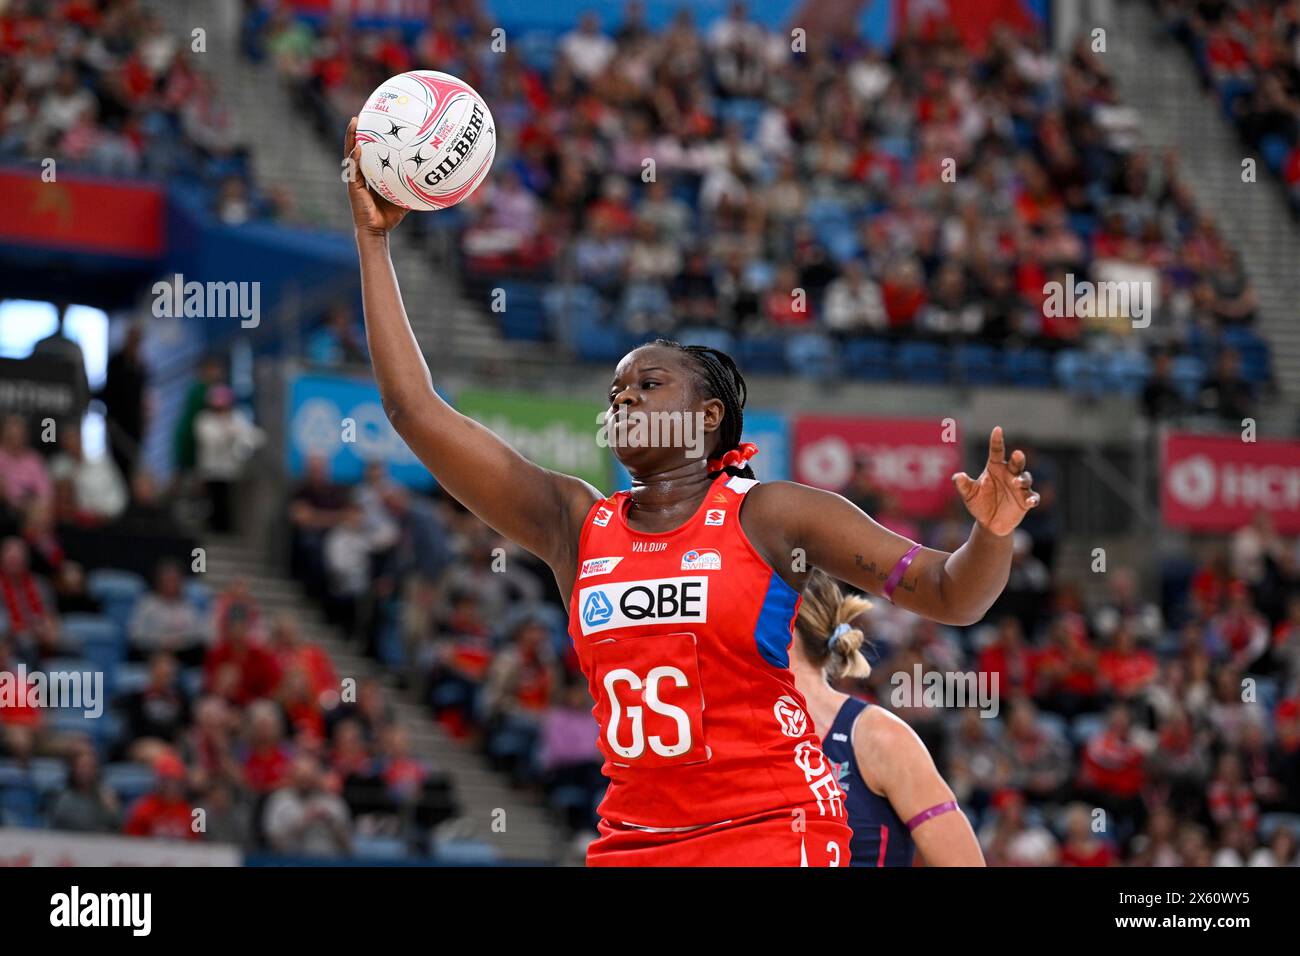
{"points": [[718, 377]]}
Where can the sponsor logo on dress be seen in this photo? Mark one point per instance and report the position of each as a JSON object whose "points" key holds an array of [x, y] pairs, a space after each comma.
{"points": [[650, 546], [640, 603], [715, 516], [602, 517], [791, 717], [702, 559], [597, 566]]}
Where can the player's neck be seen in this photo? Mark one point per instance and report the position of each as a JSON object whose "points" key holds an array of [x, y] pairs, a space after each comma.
{"points": [[670, 492], [823, 700]]}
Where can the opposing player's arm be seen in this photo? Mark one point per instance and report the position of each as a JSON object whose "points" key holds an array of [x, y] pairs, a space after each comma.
{"points": [[896, 765], [538, 509]]}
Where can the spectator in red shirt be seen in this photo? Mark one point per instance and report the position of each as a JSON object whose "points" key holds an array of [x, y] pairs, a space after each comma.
{"points": [[238, 667], [292, 651], [165, 813], [1229, 796], [1113, 770], [1008, 658], [268, 759], [1126, 669], [1082, 847], [1065, 674], [31, 618]]}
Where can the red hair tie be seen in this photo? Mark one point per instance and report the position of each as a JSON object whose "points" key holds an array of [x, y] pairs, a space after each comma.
{"points": [[734, 458]]}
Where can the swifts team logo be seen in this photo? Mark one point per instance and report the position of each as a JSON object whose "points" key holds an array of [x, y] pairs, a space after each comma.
{"points": [[702, 559], [791, 717]]}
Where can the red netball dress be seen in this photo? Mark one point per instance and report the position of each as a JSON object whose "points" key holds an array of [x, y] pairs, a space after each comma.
{"points": [[684, 637]]}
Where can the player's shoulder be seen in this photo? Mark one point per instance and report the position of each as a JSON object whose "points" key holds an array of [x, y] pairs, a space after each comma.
{"points": [[880, 732]]}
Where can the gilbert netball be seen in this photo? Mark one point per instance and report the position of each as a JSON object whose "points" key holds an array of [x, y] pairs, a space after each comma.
{"points": [[684, 638]]}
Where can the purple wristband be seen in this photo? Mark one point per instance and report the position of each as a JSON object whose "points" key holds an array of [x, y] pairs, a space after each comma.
{"points": [[896, 575], [934, 811]]}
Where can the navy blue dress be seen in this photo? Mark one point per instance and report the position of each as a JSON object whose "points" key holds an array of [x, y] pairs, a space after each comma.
{"points": [[880, 838]]}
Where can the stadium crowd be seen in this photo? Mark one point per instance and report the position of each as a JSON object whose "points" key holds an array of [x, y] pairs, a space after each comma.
{"points": [[839, 210], [1248, 53], [102, 86], [210, 702]]}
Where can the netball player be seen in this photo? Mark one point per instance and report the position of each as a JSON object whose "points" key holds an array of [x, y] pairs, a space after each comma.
{"points": [[682, 606], [893, 795]]}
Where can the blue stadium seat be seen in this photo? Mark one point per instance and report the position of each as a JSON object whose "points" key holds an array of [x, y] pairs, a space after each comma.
{"points": [[109, 584], [1079, 372], [923, 362], [1270, 823], [599, 341], [129, 781], [761, 353], [1188, 374], [20, 806], [379, 847], [1086, 726], [130, 679], [463, 852], [713, 338], [1275, 149], [79, 628], [48, 774], [868, 358], [811, 355], [1127, 371], [199, 595], [978, 364], [1029, 368]]}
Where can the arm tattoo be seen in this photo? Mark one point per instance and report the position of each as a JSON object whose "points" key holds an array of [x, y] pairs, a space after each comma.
{"points": [[882, 576]]}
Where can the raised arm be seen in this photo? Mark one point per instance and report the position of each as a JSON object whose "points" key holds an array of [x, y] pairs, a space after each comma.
{"points": [[951, 588], [538, 509]]}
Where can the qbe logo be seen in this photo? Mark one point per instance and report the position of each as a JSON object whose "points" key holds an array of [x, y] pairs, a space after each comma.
{"points": [[639, 603]]}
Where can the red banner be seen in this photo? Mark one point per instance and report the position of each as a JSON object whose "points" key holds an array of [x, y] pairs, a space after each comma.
{"points": [[116, 219], [973, 20], [370, 9], [1218, 483], [908, 457]]}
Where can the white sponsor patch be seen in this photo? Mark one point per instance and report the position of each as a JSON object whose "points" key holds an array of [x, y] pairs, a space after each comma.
{"points": [[597, 566], [715, 516], [602, 607], [702, 559], [602, 517]]}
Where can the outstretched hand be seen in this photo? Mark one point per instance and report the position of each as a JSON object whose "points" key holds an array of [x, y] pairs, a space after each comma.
{"points": [[370, 211], [1003, 493]]}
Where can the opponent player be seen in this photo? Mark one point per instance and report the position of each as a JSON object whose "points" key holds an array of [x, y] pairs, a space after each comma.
{"points": [[893, 794], [682, 606]]}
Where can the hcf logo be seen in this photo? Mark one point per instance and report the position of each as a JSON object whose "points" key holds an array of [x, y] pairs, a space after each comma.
{"points": [[597, 609]]}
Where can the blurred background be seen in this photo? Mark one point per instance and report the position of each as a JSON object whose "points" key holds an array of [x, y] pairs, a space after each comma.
{"points": [[301, 636]]}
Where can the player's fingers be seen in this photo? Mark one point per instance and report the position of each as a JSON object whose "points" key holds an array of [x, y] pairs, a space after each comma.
{"points": [[1025, 479], [1032, 500], [1016, 462], [965, 485], [997, 447], [350, 138]]}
